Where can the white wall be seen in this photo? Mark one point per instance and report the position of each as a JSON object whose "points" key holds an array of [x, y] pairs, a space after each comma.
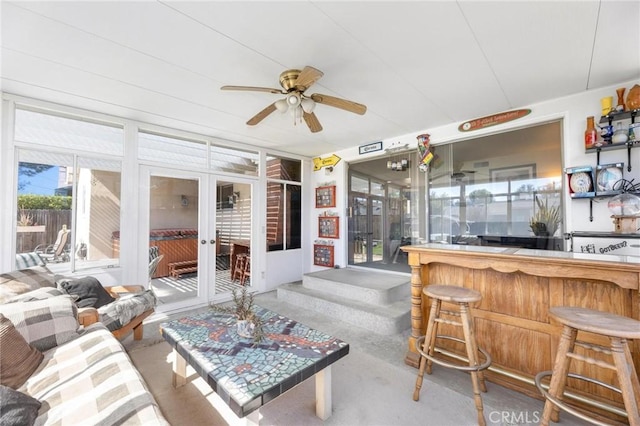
{"points": [[573, 110]]}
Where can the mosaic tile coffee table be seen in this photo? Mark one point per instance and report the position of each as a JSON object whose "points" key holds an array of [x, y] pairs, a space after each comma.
{"points": [[247, 375]]}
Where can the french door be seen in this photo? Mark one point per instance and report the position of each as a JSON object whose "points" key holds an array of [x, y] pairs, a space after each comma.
{"points": [[366, 229], [194, 221]]}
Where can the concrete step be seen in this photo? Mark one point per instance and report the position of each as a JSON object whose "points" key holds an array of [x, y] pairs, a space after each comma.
{"points": [[381, 319], [376, 301], [364, 286]]}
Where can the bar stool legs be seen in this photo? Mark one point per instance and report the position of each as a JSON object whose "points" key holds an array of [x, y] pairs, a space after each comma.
{"points": [[426, 344], [618, 329]]}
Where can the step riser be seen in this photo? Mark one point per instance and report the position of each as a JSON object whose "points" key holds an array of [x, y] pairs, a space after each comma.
{"points": [[361, 318], [350, 292]]}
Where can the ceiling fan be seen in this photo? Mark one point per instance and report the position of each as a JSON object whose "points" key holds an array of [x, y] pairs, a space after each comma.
{"points": [[294, 83]]}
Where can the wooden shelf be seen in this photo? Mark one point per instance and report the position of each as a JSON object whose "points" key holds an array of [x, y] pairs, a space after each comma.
{"points": [[618, 116]]}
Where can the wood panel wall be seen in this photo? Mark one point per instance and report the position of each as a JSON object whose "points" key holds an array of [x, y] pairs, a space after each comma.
{"points": [[512, 321]]}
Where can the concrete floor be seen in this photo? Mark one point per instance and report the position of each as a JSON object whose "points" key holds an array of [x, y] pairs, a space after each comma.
{"points": [[377, 362]]}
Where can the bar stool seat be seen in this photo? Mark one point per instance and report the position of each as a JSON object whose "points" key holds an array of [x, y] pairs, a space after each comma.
{"points": [[426, 345], [618, 329]]}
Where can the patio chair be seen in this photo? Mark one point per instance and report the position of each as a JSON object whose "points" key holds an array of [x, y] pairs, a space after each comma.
{"points": [[56, 252], [154, 259]]}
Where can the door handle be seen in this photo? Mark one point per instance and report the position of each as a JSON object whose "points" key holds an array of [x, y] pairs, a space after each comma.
{"points": [[203, 242]]}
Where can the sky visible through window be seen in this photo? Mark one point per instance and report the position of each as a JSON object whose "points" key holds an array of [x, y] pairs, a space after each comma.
{"points": [[43, 183]]}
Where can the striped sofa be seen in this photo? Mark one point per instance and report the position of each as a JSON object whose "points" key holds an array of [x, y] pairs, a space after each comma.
{"points": [[91, 380], [56, 371]]}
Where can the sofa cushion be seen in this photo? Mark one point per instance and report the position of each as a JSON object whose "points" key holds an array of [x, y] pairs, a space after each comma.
{"points": [[37, 294], [18, 360], [16, 408], [87, 291], [119, 313], [92, 381], [27, 260], [44, 323], [17, 282]]}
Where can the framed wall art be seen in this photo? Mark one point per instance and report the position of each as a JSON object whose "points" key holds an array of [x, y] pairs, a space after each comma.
{"points": [[328, 226], [326, 196], [323, 255]]}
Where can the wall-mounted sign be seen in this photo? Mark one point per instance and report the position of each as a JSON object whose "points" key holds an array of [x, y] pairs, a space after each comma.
{"points": [[492, 120], [370, 147], [319, 163]]}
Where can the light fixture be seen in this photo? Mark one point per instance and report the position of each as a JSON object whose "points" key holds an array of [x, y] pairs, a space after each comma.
{"points": [[293, 99], [308, 105], [394, 162], [282, 105], [295, 103]]}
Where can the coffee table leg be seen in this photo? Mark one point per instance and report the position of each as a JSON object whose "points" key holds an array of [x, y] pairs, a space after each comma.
{"points": [[323, 393], [253, 419], [179, 375]]}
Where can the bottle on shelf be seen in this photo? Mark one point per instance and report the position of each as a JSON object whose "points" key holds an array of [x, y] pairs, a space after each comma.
{"points": [[590, 135], [620, 106]]}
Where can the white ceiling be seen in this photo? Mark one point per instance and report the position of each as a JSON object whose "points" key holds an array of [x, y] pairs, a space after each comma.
{"points": [[416, 65]]}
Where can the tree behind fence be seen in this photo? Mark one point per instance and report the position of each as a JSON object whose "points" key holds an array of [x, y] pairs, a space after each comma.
{"points": [[52, 221]]}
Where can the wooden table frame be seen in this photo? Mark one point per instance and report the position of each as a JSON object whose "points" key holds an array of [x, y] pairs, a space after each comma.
{"points": [[323, 389]]}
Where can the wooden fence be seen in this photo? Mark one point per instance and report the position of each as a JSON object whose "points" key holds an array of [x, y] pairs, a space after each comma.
{"points": [[29, 237]]}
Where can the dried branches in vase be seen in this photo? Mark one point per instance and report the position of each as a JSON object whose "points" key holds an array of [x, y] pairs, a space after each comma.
{"points": [[244, 310], [546, 220]]}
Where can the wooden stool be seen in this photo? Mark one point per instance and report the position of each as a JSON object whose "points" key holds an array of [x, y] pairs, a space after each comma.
{"points": [[246, 270], [618, 329], [426, 344], [238, 269]]}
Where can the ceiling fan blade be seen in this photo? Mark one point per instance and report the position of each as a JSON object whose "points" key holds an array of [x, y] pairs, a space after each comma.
{"points": [[261, 115], [254, 89], [312, 122], [307, 77], [340, 103]]}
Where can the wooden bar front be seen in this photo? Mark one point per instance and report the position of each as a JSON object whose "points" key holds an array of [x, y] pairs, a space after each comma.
{"points": [[512, 322]]}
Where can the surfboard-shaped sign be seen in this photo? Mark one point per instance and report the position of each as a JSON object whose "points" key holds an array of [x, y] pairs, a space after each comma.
{"points": [[493, 120]]}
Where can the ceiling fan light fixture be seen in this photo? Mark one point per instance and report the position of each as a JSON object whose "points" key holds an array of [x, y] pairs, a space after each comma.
{"points": [[308, 105], [282, 105], [293, 99]]}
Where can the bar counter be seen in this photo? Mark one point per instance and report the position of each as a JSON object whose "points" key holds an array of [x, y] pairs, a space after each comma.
{"points": [[512, 323]]}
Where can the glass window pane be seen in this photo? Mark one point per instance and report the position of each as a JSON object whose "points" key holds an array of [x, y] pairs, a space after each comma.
{"points": [[294, 217], [488, 190], [359, 184], [170, 150], [275, 204], [68, 239], [284, 169], [55, 131], [377, 188], [233, 160]]}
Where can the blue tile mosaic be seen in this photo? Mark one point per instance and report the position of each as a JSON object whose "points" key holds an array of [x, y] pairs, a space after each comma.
{"points": [[246, 375]]}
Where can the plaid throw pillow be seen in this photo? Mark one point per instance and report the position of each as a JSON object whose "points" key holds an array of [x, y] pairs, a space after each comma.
{"points": [[44, 324], [17, 282], [117, 314]]}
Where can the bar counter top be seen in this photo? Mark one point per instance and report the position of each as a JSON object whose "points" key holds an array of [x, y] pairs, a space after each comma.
{"points": [[518, 288]]}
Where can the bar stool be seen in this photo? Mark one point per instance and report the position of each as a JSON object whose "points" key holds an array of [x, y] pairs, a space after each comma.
{"points": [[618, 329], [246, 270], [238, 269], [426, 344]]}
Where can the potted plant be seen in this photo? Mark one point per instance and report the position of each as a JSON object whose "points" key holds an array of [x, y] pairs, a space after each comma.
{"points": [[546, 220], [248, 323]]}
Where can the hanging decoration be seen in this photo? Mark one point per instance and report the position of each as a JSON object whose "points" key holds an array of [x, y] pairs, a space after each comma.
{"points": [[425, 152], [396, 162]]}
